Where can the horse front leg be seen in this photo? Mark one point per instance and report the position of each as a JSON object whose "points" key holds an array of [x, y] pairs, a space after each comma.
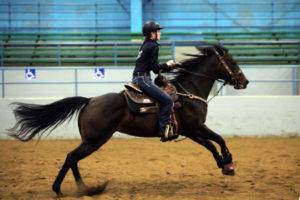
{"points": [[204, 132], [211, 147]]}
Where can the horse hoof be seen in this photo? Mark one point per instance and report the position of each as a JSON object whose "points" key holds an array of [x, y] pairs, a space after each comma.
{"points": [[57, 191], [228, 169]]}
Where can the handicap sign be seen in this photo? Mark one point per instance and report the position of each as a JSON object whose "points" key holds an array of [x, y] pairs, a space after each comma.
{"points": [[99, 73], [30, 74]]}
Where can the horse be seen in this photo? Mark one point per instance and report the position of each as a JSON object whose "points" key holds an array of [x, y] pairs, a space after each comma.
{"points": [[99, 117]]}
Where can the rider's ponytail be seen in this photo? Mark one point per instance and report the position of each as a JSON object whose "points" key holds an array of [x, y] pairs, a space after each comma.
{"points": [[145, 40]]}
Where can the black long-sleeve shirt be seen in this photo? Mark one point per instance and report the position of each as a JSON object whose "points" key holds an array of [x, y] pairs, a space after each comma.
{"points": [[147, 59]]}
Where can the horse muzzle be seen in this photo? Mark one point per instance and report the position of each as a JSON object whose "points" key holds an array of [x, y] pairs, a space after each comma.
{"points": [[240, 85]]}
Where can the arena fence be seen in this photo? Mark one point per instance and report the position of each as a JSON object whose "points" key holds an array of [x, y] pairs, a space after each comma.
{"points": [[127, 36], [124, 53], [35, 82]]}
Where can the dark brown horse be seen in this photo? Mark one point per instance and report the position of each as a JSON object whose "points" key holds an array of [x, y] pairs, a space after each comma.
{"points": [[101, 116]]}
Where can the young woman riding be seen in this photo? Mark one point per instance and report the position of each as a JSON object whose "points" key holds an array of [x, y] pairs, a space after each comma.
{"points": [[147, 61]]}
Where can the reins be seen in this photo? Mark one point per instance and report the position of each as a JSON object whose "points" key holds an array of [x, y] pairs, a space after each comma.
{"points": [[217, 93]]}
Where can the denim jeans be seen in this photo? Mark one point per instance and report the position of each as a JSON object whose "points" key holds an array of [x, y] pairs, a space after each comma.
{"points": [[165, 100]]}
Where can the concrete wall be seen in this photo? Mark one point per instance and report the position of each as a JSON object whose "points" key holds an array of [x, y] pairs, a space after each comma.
{"points": [[64, 81], [228, 116], [81, 81], [255, 115]]}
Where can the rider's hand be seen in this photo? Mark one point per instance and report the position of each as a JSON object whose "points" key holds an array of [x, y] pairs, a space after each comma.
{"points": [[171, 63]]}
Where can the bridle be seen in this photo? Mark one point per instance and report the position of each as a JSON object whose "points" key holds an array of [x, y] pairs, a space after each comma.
{"points": [[224, 64], [233, 75]]}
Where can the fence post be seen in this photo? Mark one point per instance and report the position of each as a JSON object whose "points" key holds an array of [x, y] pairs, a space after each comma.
{"points": [[272, 15], [115, 54], [76, 82], [216, 15], [3, 83], [2, 70], [297, 73], [58, 55], [96, 17], [2, 55], [173, 50], [294, 80], [39, 16], [9, 15]]}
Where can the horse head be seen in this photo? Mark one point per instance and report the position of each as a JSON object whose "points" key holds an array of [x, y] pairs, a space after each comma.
{"points": [[228, 69], [212, 63]]}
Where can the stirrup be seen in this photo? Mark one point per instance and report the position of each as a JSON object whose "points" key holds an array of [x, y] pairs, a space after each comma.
{"points": [[169, 134]]}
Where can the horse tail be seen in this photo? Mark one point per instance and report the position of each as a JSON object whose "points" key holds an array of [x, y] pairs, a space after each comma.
{"points": [[33, 119]]}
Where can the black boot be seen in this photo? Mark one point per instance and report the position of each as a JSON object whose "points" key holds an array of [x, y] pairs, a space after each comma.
{"points": [[168, 134]]}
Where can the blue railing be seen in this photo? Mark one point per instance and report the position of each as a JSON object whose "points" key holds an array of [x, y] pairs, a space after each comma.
{"points": [[115, 46], [174, 15], [173, 44], [76, 70]]}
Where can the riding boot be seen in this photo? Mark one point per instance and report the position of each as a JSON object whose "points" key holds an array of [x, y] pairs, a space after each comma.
{"points": [[168, 134]]}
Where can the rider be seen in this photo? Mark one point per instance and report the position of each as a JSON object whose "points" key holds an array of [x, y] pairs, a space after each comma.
{"points": [[147, 60]]}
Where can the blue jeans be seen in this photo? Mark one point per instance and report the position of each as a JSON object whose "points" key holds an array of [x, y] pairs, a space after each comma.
{"points": [[165, 100]]}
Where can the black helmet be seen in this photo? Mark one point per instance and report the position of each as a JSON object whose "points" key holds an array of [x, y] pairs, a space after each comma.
{"points": [[150, 27]]}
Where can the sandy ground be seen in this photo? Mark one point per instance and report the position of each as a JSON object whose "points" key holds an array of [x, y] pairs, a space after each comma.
{"points": [[266, 168]]}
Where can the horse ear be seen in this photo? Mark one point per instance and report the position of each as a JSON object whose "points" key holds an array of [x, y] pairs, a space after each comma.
{"points": [[221, 50]]}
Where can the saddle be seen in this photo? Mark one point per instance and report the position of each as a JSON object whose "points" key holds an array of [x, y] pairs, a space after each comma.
{"points": [[140, 103]]}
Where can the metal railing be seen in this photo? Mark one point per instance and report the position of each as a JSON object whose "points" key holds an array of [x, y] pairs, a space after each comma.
{"points": [[115, 45], [59, 46]]}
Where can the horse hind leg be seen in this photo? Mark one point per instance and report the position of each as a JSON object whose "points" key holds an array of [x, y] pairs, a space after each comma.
{"points": [[77, 176], [82, 151]]}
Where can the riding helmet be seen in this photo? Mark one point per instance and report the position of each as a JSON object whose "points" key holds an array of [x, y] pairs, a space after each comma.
{"points": [[150, 27]]}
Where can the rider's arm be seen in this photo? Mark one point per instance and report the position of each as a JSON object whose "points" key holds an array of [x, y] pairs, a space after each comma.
{"points": [[154, 62]]}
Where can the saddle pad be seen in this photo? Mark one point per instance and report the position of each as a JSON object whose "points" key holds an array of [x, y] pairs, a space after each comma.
{"points": [[139, 98], [138, 108]]}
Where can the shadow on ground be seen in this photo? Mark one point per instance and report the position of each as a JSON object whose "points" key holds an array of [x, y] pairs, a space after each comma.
{"points": [[91, 191]]}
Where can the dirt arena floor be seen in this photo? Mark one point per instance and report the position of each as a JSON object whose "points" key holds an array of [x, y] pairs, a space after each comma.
{"points": [[266, 168]]}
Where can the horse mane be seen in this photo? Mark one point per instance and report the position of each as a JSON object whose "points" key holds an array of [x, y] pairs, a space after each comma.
{"points": [[195, 60]]}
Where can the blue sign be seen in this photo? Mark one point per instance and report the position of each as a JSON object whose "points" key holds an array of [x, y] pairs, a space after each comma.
{"points": [[30, 74], [99, 73]]}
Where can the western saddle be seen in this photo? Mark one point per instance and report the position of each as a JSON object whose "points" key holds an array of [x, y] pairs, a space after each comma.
{"points": [[140, 103]]}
